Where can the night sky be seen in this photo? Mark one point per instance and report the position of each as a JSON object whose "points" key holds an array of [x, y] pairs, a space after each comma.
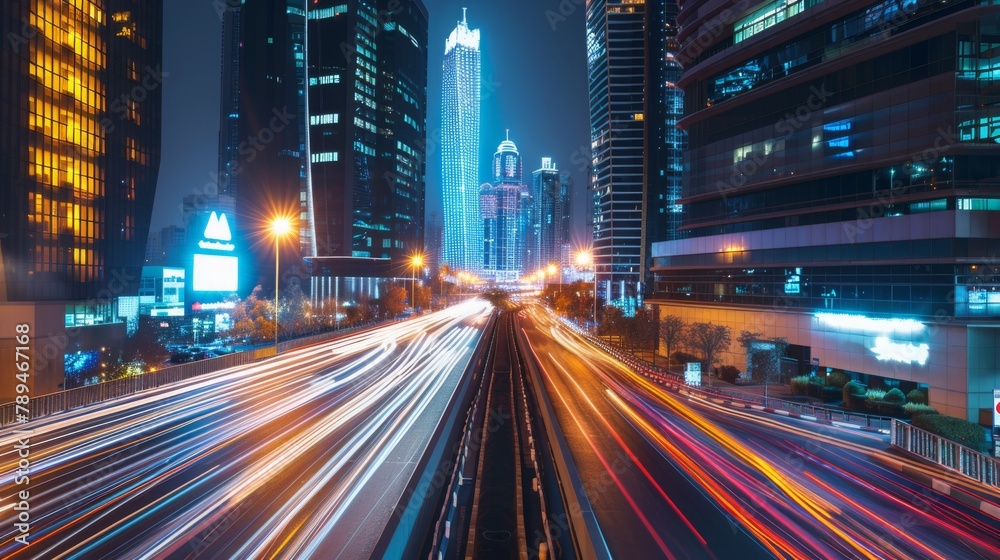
{"points": [[534, 83]]}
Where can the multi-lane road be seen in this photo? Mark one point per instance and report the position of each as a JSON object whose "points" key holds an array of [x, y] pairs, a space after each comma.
{"points": [[675, 476], [304, 455]]}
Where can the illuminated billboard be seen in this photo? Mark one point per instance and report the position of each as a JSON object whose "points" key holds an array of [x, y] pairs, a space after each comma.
{"points": [[215, 273]]}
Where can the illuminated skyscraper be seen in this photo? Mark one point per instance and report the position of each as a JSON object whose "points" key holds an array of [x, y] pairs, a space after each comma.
{"points": [[550, 217], [367, 113], [79, 159], [616, 63], [463, 225], [504, 202], [664, 141]]}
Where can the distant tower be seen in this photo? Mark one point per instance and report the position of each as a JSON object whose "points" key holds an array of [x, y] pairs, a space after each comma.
{"points": [[549, 198], [463, 225], [505, 251]]}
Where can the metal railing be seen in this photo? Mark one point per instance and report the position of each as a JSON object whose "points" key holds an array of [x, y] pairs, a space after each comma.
{"points": [[91, 394], [99, 392], [820, 412], [944, 452]]}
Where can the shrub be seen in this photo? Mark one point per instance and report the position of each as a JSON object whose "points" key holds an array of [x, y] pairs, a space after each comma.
{"points": [[916, 396], [916, 409], [957, 430], [832, 394], [837, 379], [815, 388], [800, 385], [888, 408], [896, 396], [874, 395], [729, 374], [854, 395]]}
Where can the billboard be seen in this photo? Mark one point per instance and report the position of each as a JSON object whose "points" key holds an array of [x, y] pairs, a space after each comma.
{"points": [[215, 273], [215, 268]]}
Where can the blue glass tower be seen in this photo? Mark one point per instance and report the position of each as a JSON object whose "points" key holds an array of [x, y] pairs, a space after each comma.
{"points": [[463, 221]]}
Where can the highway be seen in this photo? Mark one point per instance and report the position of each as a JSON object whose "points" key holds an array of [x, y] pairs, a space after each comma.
{"points": [[670, 476], [300, 456]]}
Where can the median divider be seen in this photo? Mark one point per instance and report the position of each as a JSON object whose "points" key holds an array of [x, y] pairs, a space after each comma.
{"points": [[586, 534]]}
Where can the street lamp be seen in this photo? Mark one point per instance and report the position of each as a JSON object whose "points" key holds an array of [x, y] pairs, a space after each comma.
{"points": [[416, 261], [586, 259], [279, 228]]}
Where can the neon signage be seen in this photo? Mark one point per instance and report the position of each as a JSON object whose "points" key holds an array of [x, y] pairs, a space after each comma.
{"points": [[890, 351], [867, 324]]}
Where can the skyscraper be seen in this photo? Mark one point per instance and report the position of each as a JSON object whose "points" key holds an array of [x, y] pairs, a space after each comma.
{"points": [[79, 159], [460, 106], [664, 141], [367, 95], [843, 190], [330, 106], [264, 165], [504, 222], [616, 62], [550, 217]]}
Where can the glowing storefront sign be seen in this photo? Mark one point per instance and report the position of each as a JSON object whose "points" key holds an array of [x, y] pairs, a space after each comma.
{"points": [[216, 232], [867, 324], [888, 350]]}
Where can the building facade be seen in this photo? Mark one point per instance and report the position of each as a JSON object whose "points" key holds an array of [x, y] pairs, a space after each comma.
{"points": [[262, 155], [367, 94], [504, 220], [460, 113], [550, 221], [616, 67], [842, 189], [79, 159], [664, 142]]}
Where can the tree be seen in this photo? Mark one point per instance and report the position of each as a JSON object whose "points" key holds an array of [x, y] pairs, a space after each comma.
{"points": [[253, 318], [711, 340], [672, 332], [643, 330], [392, 303], [497, 297], [293, 308], [612, 322]]}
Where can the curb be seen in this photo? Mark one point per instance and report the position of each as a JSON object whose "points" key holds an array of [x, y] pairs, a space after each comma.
{"points": [[940, 486], [678, 387]]}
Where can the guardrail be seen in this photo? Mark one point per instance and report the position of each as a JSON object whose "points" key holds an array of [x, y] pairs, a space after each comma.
{"points": [[955, 456], [820, 412], [99, 392], [91, 394]]}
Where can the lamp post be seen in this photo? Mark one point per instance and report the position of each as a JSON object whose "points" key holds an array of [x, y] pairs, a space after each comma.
{"points": [[279, 228], [416, 261], [586, 259]]}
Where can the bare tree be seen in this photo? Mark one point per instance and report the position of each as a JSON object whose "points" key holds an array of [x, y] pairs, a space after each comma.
{"points": [[672, 330], [711, 340]]}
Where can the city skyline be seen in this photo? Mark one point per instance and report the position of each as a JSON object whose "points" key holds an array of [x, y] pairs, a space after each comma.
{"points": [[509, 80]]}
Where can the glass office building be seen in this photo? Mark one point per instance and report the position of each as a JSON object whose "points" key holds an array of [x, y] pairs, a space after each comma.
{"points": [[80, 97], [843, 186], [616, 69]]}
